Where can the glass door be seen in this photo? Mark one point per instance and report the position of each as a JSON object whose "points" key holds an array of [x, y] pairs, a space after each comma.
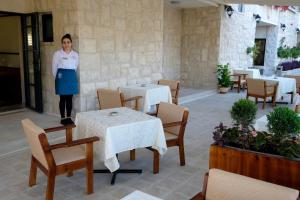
{"points": [[32, 62]]}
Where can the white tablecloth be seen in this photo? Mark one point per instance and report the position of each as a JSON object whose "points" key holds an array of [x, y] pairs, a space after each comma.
{"points": [[152, 94], [261, 124], [138, 195], [127, 130], [285, 85], [292, 72], [252, 73]]}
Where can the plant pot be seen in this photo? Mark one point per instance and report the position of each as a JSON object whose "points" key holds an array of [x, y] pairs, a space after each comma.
{"points": [[267, 167], [223, 90]]}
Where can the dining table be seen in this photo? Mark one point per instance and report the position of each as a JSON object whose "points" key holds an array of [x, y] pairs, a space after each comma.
{"points": [[120, 130], [251, 73], [285, 86], [152, 95]]}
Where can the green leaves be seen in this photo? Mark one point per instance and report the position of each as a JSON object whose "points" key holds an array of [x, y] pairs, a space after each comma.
{"points": [[243, 112], [284, 122], [223, 75], [286, 52]]}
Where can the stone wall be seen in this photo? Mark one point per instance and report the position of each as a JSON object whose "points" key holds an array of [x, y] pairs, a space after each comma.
{"points": [[120, 42], [172, 42], [200, 46], [237, 34]]}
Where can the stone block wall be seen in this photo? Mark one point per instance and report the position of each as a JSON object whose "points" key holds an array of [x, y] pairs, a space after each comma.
{"points": [[172, 42], [200, 46], [120, 42], [237, 33]]}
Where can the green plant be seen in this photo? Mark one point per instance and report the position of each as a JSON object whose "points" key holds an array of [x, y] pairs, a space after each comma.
{"points": [[243, 112], [283, 123], [253, 51], [223, 75], [286, 52]]}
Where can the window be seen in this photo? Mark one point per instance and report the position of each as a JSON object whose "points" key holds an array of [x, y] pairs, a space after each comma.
{"points": [[259, 60], [47, 26], [241, 8]]}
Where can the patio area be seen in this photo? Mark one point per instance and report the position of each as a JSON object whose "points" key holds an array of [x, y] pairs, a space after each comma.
{"points": [[173, 182]]}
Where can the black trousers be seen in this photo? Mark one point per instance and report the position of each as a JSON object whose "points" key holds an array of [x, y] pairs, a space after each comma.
{"points": [[65, 103]]}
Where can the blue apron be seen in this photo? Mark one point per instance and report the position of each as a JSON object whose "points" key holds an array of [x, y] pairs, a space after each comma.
{"points": [[66, 82]]}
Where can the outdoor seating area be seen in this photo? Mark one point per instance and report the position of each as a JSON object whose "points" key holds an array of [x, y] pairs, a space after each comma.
{"points": [[150, 100]]}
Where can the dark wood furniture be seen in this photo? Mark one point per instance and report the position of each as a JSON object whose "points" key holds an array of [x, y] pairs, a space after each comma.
{"points": [[271, 168], [239, 80], [174, 87], [60, 158], [259, 88]]}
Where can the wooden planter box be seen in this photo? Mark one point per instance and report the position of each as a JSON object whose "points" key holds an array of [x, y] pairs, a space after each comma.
{"points": [[262, 166]]}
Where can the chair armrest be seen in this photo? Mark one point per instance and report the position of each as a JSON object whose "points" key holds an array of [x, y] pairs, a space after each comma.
{"points": [[199, 196], [133, 98], [172, 124], [152, 114], [74, 143], [59, 128]]}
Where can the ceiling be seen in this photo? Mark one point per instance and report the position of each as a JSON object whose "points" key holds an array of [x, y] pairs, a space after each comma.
{"points": [[203, 3]]}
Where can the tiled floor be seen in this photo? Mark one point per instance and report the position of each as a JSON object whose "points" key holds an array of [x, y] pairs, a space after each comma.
{"points": [[173, 182]]}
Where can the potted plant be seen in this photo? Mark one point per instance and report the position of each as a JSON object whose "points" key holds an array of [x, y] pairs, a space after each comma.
{"points": [[253, 51], [272, 156], [223, 75]]}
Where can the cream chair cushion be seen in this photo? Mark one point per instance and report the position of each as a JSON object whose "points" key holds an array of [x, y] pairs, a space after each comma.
{"points": [[109, 98], [173, 84], [169, 113], [32, 133], [256, 86], [170, 136], [68, 154], [228, 186]]}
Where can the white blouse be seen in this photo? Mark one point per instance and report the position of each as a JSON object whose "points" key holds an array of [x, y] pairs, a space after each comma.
{"points": [[62, 60]]}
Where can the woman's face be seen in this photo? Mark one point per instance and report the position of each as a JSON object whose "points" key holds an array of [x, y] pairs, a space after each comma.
{"points": [[67, 44]]}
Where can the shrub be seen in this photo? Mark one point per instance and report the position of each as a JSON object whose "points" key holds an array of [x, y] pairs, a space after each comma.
{"points": [[223, 75], [283, 122], [243, 112]]}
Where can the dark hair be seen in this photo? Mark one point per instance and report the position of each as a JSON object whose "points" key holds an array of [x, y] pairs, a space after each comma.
{"points": [[68, 36]]}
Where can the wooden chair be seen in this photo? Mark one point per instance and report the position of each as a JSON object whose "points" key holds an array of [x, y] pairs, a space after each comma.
{"points": [[174, 87], [60, 158], [174, 119], [258, 88], [115, 99], [239, 80], [219, 184]]}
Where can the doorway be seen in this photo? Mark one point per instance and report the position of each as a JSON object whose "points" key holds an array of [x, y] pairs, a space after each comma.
{"points": [[20, 67]]}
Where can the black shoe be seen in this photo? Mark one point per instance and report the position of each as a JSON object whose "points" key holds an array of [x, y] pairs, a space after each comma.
{"points": [[64, 121], [69, 120]]}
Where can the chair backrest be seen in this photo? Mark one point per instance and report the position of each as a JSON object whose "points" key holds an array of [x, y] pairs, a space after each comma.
{"points": [[32, 133], [109, 98], [169, 113], [228, 186], [255, 86], [173, 84]]}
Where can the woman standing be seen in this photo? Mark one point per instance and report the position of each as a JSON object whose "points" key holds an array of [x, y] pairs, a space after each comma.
{"points": [[64, 66]]}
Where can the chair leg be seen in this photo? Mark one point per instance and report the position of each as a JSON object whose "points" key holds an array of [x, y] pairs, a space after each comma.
{"points": [[33, 172], [264, 103], [50, 186], [132, 154], [89, 169], [256, 101], [239, 87], [273, 101], [155, 162], [292, 98], [181, 154]]}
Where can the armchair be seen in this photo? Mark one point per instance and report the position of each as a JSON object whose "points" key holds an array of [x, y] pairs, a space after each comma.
{"points": [[58, 159]]}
